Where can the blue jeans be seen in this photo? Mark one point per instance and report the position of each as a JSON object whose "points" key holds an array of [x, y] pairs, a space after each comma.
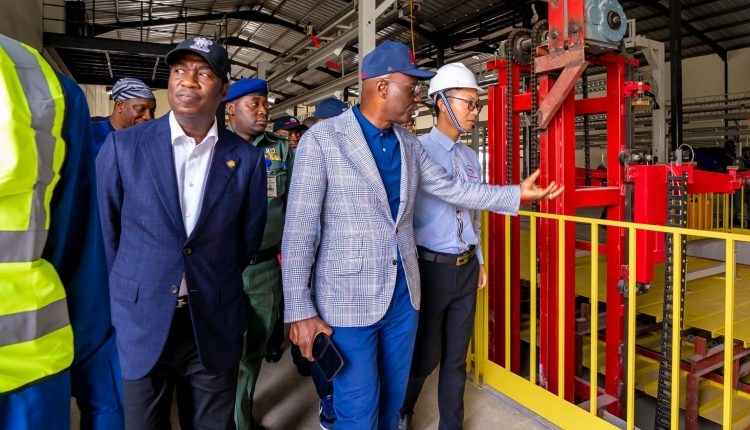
{"points": [[371, 386]]}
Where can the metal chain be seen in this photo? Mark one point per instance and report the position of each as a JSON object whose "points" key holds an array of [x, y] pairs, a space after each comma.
{"points": [[586, 143], [536, 40], [509, 106]]}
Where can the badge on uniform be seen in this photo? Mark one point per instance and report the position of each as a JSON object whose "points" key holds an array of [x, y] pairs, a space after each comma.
{"points": [[272, 189], [276, 184], [231, 164], [272, 155]]}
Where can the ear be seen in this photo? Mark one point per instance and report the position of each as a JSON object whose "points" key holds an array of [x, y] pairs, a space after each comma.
{"points": [[224, 90], [118, 105], [441, 105], [382, 86], [229, 108]]}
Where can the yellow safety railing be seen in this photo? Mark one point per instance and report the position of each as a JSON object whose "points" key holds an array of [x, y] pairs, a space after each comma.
{"points": [[718, 212], [553, 406]]}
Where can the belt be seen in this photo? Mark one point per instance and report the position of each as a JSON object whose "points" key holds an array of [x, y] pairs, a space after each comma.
{"points": [[442, 258], [182, 302], [264, 255]]}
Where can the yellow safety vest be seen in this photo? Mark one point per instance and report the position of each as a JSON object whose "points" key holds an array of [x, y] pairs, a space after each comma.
{"points": [[36, 340]]}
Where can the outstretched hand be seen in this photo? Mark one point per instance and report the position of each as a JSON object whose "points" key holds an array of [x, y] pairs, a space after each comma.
{"points": [[529, 190]]}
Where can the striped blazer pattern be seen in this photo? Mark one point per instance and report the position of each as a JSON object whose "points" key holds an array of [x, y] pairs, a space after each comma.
{"points": [[339, 227]]}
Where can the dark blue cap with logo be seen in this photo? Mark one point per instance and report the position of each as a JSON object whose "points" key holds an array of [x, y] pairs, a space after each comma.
{"points": [[392, 57], [287, 122], [214, 54], [247, 86], [330, 107]]}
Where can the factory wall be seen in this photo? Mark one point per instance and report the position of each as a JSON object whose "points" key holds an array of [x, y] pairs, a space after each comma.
{"points": [[25, 24]]}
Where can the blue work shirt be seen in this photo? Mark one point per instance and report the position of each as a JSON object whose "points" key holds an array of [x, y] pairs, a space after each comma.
{"points": [[386, 151], [100, 129], [75, 248], [435, 220]]}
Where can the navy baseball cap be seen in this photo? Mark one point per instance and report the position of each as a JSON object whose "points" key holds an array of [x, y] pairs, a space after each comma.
{"points": [[214, 54], [287, 122], [330, 107], [392, 57], [247, 86]]}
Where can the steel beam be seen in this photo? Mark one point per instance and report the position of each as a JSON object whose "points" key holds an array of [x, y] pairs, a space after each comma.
{"points": [[99, 44], [246, 15], [676, 32], [316, 94], [675, 65], [330, 50], [559, 92]]}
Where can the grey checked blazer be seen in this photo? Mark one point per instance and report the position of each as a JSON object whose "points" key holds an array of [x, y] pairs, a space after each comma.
{"points": [[337, 200]]}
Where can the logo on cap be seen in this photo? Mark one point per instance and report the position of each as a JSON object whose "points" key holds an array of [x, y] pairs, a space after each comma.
{"points": [[411, 55], [201, 44]]}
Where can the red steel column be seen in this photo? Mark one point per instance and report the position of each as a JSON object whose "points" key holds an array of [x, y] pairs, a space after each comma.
{"points": [[615, 333]]}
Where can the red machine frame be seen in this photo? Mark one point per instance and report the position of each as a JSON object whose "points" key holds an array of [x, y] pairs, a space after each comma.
{"points": [[558, 67], [557, 109]]}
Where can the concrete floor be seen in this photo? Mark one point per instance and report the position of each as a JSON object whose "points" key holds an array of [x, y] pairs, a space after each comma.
{"points": [[284, 400]]}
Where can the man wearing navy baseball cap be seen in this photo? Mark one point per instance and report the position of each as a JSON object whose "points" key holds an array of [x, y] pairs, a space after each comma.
{"points": [[291, 127], [182, 206], [350, 216], [329, 108]]}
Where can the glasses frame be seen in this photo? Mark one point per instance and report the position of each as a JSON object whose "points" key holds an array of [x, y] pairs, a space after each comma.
{"points": [[416, 88], [470, 104]]}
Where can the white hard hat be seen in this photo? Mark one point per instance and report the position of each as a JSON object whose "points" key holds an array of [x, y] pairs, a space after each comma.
{"points": [[452, 75]]}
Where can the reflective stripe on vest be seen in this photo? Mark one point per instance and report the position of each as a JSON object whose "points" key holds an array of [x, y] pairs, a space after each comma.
{"points": [[36, 340]]}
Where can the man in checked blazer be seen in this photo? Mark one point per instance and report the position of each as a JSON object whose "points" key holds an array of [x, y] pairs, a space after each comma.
{"points": [[356, 179]]}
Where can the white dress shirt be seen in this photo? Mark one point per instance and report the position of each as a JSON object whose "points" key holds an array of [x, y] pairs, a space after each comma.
{"points": [[191, 163]]}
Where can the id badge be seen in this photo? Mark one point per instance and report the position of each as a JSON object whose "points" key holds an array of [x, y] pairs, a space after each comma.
{"points": [[272, 187], [276, 184]]}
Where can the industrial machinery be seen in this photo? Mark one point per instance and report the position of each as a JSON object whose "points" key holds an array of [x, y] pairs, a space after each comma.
{"points": [[537, 78]]}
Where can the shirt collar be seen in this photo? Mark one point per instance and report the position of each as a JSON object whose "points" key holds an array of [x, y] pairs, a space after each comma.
{"points": [[177, 133], [368, 128], [446, 142]]}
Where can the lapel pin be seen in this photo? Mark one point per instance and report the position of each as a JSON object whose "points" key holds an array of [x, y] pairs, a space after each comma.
{"points": [[231, 164]]}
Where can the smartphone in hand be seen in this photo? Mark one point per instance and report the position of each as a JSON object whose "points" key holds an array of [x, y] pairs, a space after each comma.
{"points": [[326, 356]]}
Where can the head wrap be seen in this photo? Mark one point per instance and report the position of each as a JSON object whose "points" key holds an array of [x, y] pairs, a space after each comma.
{"points": [[131, 88]]}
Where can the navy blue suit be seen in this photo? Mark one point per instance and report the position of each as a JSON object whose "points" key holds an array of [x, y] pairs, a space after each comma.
{"points": [[148, 250]]}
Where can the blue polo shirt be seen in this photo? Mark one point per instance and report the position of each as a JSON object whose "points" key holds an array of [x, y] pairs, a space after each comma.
{"points": [[100, 129], [386, 151]]}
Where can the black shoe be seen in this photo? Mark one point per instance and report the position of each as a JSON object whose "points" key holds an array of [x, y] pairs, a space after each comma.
{"points": [[273, 354], [405, 422]]}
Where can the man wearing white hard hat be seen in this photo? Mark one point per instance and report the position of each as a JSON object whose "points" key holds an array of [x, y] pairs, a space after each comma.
{"points": [[451, 264]]}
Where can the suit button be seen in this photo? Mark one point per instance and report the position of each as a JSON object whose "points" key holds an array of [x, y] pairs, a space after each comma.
{"points": [[186, 251], [395, 262], [174, 289]]}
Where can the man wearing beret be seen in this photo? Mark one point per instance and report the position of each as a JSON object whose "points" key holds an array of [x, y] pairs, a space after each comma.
{"points": [[353, 194], [134, 104], [291, 127], [182, 204], [247, 109]]}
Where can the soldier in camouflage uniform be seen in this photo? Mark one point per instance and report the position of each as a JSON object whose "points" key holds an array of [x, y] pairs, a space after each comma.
{"points": [[247, 110]]}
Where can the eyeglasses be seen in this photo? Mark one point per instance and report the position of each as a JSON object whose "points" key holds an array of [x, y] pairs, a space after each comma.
{"points": [[416, 88], [470, 104]]}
